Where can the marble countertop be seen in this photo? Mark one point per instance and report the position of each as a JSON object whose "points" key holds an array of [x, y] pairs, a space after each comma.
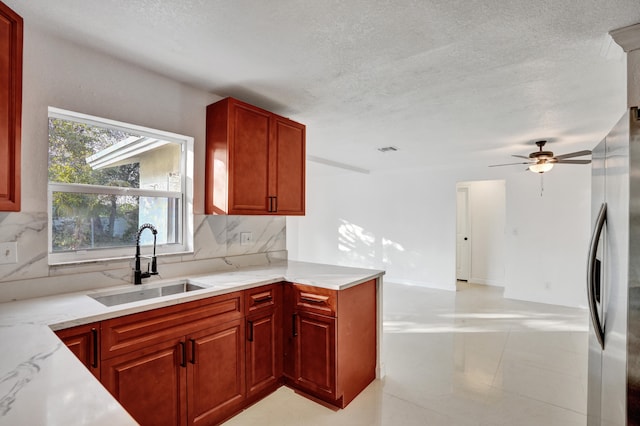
{"points": [[42, 382]]}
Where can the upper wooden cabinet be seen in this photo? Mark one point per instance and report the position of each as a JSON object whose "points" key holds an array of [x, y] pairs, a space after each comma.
{"points": [[10, 107], [255, 161]]}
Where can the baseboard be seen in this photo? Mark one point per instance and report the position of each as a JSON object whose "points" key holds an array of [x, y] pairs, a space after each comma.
{"points": [[493, 283]]}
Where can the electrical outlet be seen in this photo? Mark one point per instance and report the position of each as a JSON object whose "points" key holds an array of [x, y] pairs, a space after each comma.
{"points": [[246, 238], [8, 253]]}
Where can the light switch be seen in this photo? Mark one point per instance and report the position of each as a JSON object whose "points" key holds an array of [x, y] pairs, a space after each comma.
{"points": [[8, 253]]}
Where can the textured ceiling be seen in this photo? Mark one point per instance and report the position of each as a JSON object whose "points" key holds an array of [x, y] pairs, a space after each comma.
{"points": [[448, 82]]}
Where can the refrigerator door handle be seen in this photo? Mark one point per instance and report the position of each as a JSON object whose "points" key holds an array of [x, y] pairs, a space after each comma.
{"points": [[592, 270]]}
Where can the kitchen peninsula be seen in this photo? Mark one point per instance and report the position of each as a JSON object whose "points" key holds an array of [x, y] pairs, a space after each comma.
{"points": [[41, 382]]}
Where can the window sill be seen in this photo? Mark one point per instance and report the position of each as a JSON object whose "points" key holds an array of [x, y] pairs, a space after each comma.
{"points": [[57, 263]]}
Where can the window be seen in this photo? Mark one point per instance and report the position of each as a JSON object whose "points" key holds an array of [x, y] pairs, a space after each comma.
{"points": [[106, 179]]}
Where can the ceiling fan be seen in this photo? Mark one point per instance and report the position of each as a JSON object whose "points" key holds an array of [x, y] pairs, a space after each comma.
{"points": [[542, 161]]}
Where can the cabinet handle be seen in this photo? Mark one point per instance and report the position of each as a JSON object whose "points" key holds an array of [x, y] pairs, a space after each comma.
{"points": [[273, 204], [193, 350], [183, 354], [313, 299], [263, 299], [250, 325], [94, 341], [293, 325]]}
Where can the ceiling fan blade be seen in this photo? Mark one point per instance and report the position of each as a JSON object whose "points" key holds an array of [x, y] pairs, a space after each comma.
{"points": [[508, 164], [573, 161], [520, 156], [573, 154]]}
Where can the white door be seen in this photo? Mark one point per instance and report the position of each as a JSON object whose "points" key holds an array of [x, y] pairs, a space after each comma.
{"points": [[463, 243]]}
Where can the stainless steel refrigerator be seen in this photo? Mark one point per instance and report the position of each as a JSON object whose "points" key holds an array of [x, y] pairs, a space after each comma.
{"points": [[613, 278]]}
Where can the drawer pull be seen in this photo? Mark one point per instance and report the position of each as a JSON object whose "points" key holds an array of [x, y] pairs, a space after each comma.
{"points": [[94, 341], [293, 325], [261, 298], [183, 354], [312, 298], [250, 325]]}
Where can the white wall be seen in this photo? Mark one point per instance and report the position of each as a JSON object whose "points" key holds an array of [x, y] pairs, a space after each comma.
{"points": [[548, 236], [404, 222], [487, 209], [401, 221], [60, 74], [63, 74]]}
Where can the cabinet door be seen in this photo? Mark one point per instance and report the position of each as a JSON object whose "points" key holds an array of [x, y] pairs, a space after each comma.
{"points": [[264, 352], [84, 342], [249, 160], [150, 383], [288, 339], [10, 107], [288, 165], [216, 373], [255, 161], [315, 353]]}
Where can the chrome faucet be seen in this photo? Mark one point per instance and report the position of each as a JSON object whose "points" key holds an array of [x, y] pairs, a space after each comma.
{"points": [[138, 275]]}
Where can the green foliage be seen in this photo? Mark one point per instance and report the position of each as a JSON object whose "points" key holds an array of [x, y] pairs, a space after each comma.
{"points": [[80, 220]]}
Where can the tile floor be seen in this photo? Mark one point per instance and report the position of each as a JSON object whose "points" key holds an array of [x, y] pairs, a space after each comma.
{"points": [[460, 358]]}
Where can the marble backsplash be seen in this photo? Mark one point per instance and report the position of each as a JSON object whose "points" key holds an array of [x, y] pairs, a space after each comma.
{"points": [[216, 247]]}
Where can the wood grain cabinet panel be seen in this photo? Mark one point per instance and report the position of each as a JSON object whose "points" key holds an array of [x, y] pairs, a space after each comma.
{"points": [[288, 178], [190, 360], [136, 331], [263, 340], [216, 373], [255, 161], [201, 362], [264, 352], [11, 29], [315, 354], [84, 342], [150, 383], [330, 340]]}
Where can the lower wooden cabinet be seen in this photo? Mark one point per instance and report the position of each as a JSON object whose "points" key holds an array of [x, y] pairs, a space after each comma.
{"points": [[215, 373], [201, 362], [264, 353], [197, 379], [84, 342], [314, 353], [150, 383], [330, 340]]}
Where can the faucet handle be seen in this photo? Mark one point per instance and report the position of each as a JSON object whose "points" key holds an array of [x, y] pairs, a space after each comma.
{"points": [[154, 266]]}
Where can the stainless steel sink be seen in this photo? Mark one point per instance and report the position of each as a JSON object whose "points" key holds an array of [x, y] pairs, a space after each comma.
{"points": [[137, 294]]}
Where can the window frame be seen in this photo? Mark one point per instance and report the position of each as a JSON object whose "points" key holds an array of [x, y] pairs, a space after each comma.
{"points": [[185, 214]]}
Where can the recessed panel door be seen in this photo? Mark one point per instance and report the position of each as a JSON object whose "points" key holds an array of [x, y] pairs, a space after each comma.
{"points": [[463, 245], [216, 377]]}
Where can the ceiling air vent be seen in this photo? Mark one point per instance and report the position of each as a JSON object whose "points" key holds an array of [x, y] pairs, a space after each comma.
{"points": [[388, 149]]}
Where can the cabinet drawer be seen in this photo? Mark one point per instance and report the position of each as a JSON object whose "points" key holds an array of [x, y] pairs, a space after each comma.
{"points": [[136, 331], [263, 297], [315, 299]]}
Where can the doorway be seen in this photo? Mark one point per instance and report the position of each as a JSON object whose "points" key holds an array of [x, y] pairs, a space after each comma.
{"points": [[480, 232], [463, 245]]}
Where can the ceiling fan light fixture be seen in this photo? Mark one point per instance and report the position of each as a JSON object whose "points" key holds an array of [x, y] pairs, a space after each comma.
{"points": [[541, 167]]}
